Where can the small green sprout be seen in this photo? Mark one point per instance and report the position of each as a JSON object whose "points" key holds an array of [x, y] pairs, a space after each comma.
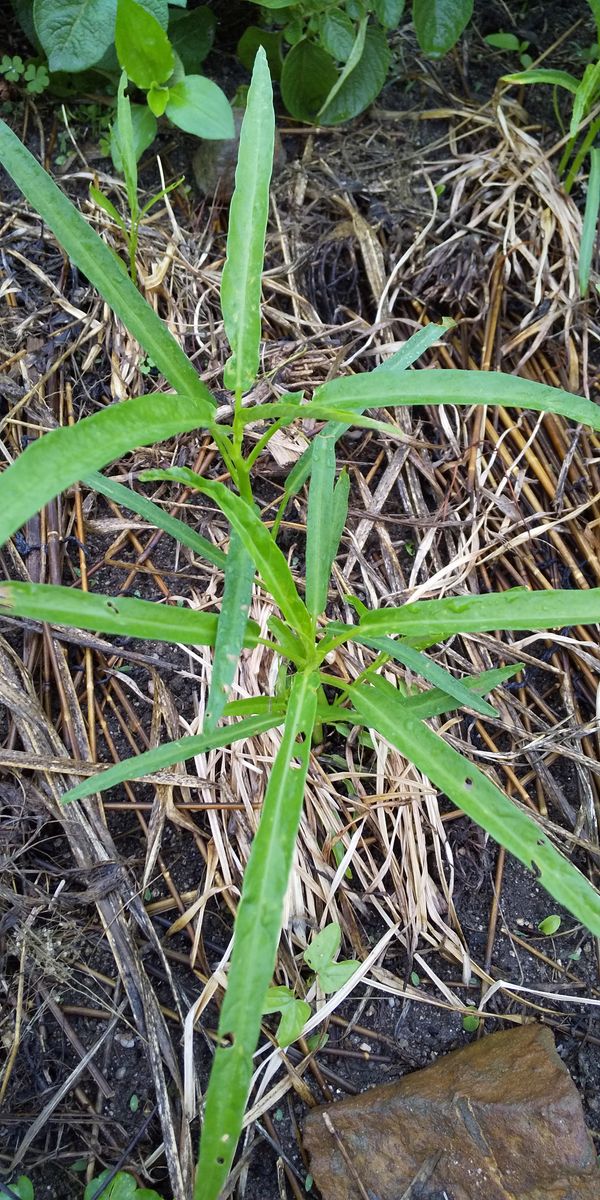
{"points": [[550, 925]]}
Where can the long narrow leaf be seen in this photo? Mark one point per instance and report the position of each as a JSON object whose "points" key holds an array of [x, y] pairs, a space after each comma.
{"points": [[241, 279], [256, 934], [419, 706], [231, 627], [429, 670], [589, 233], [268, 558], [156, 515], [399, 388], [430, 621], [171, 753], [481, 800], [404, 358], [318, 524], [64, 456], [122, 615], [88, 252]]}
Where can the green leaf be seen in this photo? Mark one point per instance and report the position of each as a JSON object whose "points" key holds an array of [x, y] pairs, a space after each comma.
{"points": [[122, 1187], [144, 127], [170, 753], [395, 388], [319, 548], [400, 361], [336, 34], [431, 671], [156, 515], [267, 556], [361, 80], [143, 48], [550, 925], [435, 702], [249, 43], [307, 77], [388, 12], [503, 41], [231, 628], [590, 222], [157, 99], [294, 1013], [192, 34], [335, 974], [107, 205], [242, 273], [431, 621], [439, 23], [484, 803], [88, 252], [199, 106], [595, 7], [75, 33], [545, 75], [122, 615], [470, 1023], [23, 1188], [256, 934], [64, 456], [323, 948], [586, 94], [339, 513]]}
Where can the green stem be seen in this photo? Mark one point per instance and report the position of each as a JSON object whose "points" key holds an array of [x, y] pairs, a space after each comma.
{"points": [[584, 149]]}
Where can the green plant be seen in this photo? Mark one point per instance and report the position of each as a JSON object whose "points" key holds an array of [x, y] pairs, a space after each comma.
{"points": [[119, 1186], [159, 48], [21, 1190], [321, 957], [299, 633], [125, 153], [550, 925], [510, 41], [332, 59], [34, 75]]}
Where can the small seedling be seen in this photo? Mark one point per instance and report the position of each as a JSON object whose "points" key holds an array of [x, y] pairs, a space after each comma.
{"points": [[121, 1186], [321, 957], [550, 925], [510, 41], [21, 1190], [294, 1013], [470, 1023]]}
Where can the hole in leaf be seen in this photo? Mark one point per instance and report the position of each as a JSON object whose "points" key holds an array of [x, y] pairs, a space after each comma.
{"points": [[468, 782], [220, 1161], [226, 1040]]}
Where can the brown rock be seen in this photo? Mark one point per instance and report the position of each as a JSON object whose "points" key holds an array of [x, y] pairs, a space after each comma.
{"points": [[214, 162], [499, 1120]]}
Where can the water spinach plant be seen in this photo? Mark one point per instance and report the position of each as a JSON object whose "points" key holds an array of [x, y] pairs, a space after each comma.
{"points": [[310, 695]]}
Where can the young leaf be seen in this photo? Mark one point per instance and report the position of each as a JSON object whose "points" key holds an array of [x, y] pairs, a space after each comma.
{"points": [[318, 524], [123, 615], [388, 12], [335, 974], [381, 389], [435, 702], [170, 753], [143, 48], [242, 273], [585, 95], [431, 621], [481, 800], [231, 627], [439, 23], [63, 456], [323, 948], [256, 934], [156, 515], [267, 556], [144, 127], [339, 513], [544, 75], [88, 252], [294, 1013], [550, 925], [336, 34], [106, 205], [199, 106], [431, 671]]}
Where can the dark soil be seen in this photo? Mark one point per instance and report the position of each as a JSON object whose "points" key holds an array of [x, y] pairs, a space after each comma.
{"points": [[68, 969]]}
